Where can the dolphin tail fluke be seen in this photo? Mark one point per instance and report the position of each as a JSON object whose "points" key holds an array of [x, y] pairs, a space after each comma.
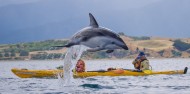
{"points": [[93, 21]]}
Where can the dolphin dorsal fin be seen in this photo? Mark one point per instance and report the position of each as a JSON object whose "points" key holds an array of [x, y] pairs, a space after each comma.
{"points": [[93, 22]]}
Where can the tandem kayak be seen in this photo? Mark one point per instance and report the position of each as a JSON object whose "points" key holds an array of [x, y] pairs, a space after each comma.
{"points": [[26, 73]]}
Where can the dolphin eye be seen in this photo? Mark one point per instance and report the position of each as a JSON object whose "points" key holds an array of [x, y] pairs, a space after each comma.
{"points": [[112, 42], [85, 39]]}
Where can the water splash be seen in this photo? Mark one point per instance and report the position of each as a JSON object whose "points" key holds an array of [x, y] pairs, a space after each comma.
{"points": [[73, 54]]}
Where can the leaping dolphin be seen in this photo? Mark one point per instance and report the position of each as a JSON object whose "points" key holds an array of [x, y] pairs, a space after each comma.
{"points": [[97, 38]]}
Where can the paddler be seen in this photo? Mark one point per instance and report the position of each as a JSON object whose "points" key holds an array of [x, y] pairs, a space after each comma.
{"points": [[80, 66], [141, 63]]}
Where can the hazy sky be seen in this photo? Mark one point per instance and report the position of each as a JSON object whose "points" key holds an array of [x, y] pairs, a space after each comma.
{"points": [[11, 2], [134, 3], [35, 20]]}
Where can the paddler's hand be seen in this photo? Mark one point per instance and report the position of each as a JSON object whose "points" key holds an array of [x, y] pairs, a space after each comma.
{"points": [[109, 69]]}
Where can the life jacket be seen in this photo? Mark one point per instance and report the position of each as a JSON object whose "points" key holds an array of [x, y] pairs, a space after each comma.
{"points": [[137, 65]]}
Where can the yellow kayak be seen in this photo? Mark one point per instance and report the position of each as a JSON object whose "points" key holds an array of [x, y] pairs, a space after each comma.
{"points": [[25, 73]]}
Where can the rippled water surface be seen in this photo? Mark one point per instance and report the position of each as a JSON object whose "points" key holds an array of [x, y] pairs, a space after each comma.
{"points": [[154, 84]]}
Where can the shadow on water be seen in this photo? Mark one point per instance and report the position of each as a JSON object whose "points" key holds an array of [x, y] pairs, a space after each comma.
{"points": [[96, 86], [91, 79], [55, 93], [178, 87]]}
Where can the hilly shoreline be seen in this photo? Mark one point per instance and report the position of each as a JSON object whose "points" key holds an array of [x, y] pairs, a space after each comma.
{"points": [[154, 47]]}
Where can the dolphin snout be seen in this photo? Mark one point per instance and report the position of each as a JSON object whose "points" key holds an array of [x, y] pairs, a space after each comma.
{"points": [[125, 47], [122, 45]]}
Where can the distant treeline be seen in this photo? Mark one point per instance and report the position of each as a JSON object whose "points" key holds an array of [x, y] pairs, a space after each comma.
{"points": [[135, 37], [48, 56], [23, 49], [140, 38]]}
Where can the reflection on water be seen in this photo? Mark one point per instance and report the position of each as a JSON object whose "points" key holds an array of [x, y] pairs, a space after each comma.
{"points": [[96, 86], [153, 84]]}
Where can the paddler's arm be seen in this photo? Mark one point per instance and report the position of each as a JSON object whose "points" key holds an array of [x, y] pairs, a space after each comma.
{"points": [[134, 61]]}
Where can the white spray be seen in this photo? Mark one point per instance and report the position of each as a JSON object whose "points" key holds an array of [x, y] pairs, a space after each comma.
{"points": [[73, 54]]}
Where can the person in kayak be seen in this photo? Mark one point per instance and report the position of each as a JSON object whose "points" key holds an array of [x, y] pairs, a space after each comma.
{"points": [[80, 66], [141, 62]]}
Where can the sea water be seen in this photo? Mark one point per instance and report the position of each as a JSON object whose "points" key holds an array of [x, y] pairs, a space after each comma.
{"points": [[153, 84]]}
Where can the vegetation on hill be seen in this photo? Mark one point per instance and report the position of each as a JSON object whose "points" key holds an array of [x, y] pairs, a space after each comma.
{"points": [[47, 56], [23, 49], [180, 45], [43, 49]]}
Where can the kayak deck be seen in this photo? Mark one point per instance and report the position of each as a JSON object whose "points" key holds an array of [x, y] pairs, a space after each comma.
{"points": [[25, 73]]}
